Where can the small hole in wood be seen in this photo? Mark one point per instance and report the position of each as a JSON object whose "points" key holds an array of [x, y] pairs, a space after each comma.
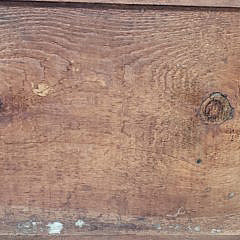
{"points": [[198, 161]]}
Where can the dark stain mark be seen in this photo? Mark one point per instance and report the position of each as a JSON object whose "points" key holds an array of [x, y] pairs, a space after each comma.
{"points": [[216, 109], [208, 189], [94, 225], [140, 218], [198, 161], [102, 224], [1, 104]]}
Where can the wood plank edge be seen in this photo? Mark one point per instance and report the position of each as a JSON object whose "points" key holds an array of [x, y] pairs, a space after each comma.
{"points": [[187, 3]]}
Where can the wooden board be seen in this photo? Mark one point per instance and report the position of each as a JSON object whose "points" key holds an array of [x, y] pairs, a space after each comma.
{"points": [[119, 121], [206, 3]]}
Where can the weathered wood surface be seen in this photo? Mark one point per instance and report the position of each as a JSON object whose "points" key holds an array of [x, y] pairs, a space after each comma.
{"points": [[102, 120], [207, 3], [125, 237]]}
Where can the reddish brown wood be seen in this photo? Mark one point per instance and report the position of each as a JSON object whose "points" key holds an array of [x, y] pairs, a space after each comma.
{"points": [[103, 119]]}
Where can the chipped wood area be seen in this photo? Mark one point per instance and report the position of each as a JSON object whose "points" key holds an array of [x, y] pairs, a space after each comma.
{"points": [[119, 121]]}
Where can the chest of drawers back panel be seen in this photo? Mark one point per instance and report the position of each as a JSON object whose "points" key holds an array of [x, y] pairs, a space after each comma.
{"points": [[119, 119]]}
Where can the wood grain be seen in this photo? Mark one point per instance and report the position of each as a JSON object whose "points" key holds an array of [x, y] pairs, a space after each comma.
{"points": [[100, 122], [203, 3]]}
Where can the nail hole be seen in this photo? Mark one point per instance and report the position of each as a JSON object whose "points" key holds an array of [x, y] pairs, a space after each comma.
{"points": [[198, 161]]}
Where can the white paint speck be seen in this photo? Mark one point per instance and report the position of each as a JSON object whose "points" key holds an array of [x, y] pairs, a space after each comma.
{"points": [[79, 223], [177, 227], [24, 225], [197, 229], [189, 228], [157, 226], [34, 223], [42, 89], [231, 195], [179, 212], [213, 231], [55, 228]]}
